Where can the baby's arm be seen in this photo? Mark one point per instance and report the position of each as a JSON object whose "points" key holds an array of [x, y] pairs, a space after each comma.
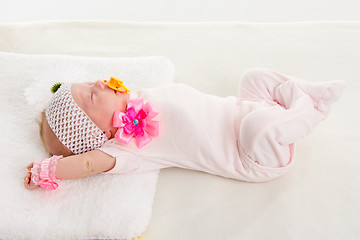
{"points": [[77, 166], [84, 165]]}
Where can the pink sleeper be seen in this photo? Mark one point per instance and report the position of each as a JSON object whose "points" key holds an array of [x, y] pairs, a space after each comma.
{"points": [[250, 137]]}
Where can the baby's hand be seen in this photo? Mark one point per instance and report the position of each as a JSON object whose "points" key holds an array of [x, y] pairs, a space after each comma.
{"points": [[28, 183]]}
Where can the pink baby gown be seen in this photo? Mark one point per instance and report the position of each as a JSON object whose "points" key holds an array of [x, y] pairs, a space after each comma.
{"points": [[249, 138]]}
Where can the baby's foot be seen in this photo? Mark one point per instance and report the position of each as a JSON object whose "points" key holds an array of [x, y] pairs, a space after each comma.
{"points": [[28, 183], [325, 94], [331, 95]]}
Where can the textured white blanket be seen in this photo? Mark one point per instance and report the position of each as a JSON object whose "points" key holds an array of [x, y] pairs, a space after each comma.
{"points": [[95, 207]]}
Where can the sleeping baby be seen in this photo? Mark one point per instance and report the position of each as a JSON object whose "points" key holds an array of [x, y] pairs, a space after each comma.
{"points": [[102, 127]]}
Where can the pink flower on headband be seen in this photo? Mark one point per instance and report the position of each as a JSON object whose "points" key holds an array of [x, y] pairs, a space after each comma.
{"points": [[136, 122]]}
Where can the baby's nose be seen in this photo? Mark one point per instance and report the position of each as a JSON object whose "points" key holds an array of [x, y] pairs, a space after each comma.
{"points": [[100, 84]]}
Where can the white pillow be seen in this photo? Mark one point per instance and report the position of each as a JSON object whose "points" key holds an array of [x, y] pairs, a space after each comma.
{"points": [[102, 206]]}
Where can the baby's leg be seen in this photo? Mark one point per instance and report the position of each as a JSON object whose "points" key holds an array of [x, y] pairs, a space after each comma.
{"points": [[262, 84], [266, 133]]}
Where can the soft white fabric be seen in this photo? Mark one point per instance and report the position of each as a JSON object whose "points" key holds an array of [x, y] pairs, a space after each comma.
{"points": [[94, 207], [317, 199]]}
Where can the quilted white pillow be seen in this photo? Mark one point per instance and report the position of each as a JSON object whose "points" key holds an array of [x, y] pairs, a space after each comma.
{"points": [[102, 206]]}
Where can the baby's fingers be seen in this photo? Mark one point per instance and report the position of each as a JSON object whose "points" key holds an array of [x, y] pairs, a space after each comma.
{"points": [[30, 166], [28, 183], [27, 180]]}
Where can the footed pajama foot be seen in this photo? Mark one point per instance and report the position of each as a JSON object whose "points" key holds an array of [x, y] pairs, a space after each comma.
{"points": [[324, 94]]}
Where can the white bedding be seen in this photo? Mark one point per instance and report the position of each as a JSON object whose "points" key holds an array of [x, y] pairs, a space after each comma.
{"points": [[317, 199], [94, 207]]}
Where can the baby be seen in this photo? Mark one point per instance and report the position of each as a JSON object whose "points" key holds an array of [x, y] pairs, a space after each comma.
{"points": [[91, 128]]}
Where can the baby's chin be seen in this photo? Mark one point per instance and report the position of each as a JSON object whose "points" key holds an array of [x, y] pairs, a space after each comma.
{"points": [[113, 131]]}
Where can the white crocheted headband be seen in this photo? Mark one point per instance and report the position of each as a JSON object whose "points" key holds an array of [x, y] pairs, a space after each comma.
{"points": [[69, 122], [71, 125]]}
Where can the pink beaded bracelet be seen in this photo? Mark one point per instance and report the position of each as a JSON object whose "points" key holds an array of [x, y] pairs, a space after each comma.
{"points": [[43, 173]]}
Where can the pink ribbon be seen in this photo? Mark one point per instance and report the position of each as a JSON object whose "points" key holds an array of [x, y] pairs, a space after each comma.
{"points": [[48, 184], [136, 122]]}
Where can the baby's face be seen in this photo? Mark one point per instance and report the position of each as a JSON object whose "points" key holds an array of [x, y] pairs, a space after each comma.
{"points": [[99, 102]]}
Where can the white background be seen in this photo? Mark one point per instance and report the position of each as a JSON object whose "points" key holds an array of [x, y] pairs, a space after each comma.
{"points": [[184, 10]]}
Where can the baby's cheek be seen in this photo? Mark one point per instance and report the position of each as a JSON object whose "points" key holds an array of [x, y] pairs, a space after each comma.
{"points": [[108, 115]]}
